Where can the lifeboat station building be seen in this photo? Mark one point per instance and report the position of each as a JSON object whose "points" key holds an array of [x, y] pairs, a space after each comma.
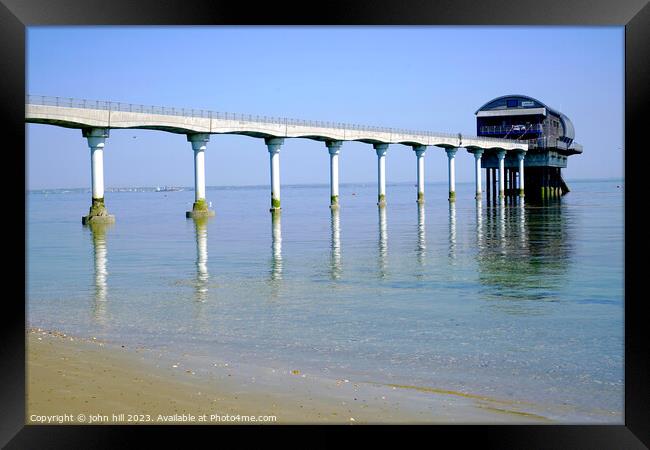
{"points": [[550, 138]]}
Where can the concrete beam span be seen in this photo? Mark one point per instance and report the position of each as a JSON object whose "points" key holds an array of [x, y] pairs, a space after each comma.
{"points": [[82, 114]]}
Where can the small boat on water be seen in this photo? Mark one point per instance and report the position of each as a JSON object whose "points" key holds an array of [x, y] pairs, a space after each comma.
{"points": [[168, 189]]}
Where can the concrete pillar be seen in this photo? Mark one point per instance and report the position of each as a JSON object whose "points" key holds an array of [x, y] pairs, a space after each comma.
{"points": [[334, 148], [419, 153], [200, 207], [381, 173], [451, 156], [495, 192], [477, 172], [97, 212], [273, 145], [501, 154], [520, 160]]}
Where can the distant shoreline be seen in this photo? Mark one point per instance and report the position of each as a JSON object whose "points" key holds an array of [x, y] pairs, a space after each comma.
{"points": [[297, 185]]}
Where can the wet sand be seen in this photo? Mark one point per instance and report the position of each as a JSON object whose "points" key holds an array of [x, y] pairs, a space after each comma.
{"points": [[79, 380]]}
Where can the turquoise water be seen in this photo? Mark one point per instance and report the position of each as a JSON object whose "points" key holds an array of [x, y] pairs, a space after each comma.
{"points": [[517, 302]]}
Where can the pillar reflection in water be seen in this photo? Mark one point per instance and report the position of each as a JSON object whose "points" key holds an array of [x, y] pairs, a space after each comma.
{"points": [[501, 216], [522, 222], [422, 237], [276, 233], [383, 242], [100, 250], [336, 245], [202, 275], [452, 230], [479, 224]]}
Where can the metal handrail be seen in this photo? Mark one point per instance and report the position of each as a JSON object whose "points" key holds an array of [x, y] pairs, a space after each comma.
{"points": [[68, 102]]}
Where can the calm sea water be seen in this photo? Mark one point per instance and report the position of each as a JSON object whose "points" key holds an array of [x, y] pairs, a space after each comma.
{"points": [[517, 302]]}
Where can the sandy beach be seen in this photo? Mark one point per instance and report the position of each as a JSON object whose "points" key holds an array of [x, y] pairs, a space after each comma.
{"points": [[82, 380]]}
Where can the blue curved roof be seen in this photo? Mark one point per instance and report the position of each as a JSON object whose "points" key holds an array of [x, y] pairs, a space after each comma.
{"points": [[497, 103]]}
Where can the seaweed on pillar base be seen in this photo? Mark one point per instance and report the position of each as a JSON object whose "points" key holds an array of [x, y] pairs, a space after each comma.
{"points": [[275, 204], [200, 209], [97, 213]]}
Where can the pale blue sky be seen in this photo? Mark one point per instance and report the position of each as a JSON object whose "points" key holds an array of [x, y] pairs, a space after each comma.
{"points": [[422, 78]]}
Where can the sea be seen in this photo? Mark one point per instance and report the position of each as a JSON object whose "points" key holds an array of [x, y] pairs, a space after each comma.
{"points": [[513, 300]]}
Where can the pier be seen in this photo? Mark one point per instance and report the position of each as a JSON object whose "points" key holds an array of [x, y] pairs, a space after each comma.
{"points": [[96, 118]]}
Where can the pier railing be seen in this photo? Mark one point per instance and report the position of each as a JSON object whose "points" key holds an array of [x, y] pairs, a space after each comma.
{"points": [[68, 102]]}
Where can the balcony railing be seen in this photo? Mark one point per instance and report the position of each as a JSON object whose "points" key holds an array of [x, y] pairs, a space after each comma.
{"points": [[67, 102], [511, 129], [552, 142]]}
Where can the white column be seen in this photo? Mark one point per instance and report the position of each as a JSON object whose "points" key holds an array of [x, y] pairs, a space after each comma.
{"points": [[381, 173], [273, 145], [520, 158], [477, 172], [96, 139], [97, 169], [199, 143], [419, 153], [451, 156], [97, 213], [334, 148], [501, 154]]}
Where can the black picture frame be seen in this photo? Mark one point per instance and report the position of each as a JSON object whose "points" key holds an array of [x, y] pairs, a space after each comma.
{"points": [[15, 15]]}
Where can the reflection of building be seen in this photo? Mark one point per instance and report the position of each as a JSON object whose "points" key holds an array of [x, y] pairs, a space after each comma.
{"points": [[548, 133], [523, 254], [101, 273]]}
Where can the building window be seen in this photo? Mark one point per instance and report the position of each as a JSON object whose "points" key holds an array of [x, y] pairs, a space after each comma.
{"points": [[512, 103]]}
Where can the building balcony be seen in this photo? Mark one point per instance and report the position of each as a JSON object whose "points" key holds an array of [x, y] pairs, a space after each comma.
{"points": [[510, 130]]}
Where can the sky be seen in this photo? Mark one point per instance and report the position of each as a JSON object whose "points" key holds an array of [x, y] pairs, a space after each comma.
{"points": [[421, 78]]}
